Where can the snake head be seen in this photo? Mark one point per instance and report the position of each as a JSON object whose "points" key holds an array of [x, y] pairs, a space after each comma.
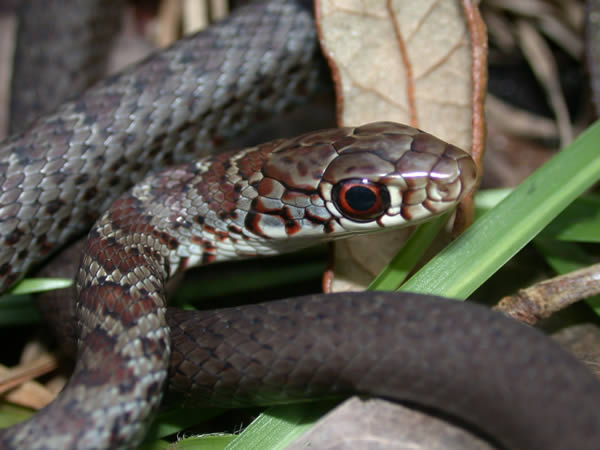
{"points": [[358, 180], [390, 175]]}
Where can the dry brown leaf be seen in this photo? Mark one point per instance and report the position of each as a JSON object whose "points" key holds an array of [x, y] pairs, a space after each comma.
{"points": [[410, 64], [592, 43], [353, 425], [218, 9], [43, 364], [541, 61], [407, 61], [199, 14], [499, 29], [30, 394], [17, 386], [188, 16], [169, 16], [194, 15], [8, 26], [583, 340], [568, 39], [514, 121], [531, 8]]}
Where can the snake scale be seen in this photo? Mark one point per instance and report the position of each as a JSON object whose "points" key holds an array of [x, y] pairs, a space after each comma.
{"points": [[66, 170]]}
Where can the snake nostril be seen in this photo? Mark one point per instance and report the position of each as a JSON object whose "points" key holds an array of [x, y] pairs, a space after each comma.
{"points": [[441, 190]]}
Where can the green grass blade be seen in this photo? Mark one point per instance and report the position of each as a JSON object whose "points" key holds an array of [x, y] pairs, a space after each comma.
{"points": [[563, 257], [280, 425], [12, 414], [36, 285], [18, 310], [212, 442], [174, 421], [394, 274], [580, 222], [488, 199]]}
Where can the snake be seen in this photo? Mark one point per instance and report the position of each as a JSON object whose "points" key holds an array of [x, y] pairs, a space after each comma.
{"points": [[67, 172]]}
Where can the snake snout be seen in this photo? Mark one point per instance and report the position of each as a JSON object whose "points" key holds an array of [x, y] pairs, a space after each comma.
{"points": [[428, 180], [452, 177]]}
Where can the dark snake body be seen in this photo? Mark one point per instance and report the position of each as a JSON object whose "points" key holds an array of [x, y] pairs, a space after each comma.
{"points": [[60, 52], [61, 174], [505, 378]]}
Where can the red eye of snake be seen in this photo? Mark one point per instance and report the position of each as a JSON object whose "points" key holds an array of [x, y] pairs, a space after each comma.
{"points": [[360, 199]]}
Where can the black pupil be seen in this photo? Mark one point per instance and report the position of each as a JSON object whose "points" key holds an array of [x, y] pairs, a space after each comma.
{"points": [[360, 198]]}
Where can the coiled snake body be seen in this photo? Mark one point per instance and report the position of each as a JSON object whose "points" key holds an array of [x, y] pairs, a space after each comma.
{"points": [[267, 199]]}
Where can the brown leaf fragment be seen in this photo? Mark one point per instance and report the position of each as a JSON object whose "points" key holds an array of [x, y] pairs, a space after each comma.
{"points": [[583, 340], [518, 122], [541, 61], [479, 77], [592, 44], [17, 387], [169, 15], [406, 61], [567, 38], [199, 14], [194, 15], [8, 25], [375, 424], [177, 17]]}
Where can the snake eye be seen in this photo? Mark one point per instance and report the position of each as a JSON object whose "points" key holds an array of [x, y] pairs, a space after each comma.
{"points": [[360, 199]]}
